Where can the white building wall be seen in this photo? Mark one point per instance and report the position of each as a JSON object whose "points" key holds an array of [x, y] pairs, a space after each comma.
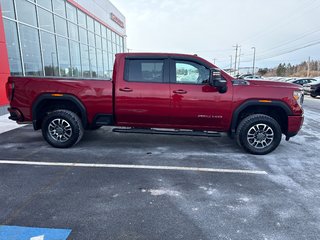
{"points": [[102, 9]]}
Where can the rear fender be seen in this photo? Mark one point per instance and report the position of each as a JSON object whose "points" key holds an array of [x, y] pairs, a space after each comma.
{"points": [[40, 101]]}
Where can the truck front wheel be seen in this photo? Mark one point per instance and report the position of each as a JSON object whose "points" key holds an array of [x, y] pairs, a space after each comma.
{"points": [[62, 128], [259, 134]]}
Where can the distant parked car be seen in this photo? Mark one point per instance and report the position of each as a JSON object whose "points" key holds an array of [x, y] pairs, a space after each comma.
{"points": [[289, 79], [303, 81], [307, 87], [250, 76], [315, 90]]}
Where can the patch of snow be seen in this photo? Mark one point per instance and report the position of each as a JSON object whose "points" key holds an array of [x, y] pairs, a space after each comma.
{"points": [[244, 199], [163, 191], [209, 191], [7, 125]]}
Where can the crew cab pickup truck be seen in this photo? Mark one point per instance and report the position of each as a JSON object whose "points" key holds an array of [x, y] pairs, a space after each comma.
{"points": [[150, 92]]}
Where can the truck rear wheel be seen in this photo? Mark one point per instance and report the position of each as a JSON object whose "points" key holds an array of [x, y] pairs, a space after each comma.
{"points": [[62, 128], [259, 134]]}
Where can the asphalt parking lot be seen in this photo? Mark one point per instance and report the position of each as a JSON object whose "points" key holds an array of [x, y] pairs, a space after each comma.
{"points": [[128, 186]]}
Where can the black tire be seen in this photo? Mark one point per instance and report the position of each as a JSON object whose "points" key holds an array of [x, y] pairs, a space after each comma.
{"points": [[94, 127], [63, 124], [314, 96], [259, 134]]}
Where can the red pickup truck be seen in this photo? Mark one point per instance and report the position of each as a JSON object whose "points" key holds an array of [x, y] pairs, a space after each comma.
{"points": [[154, 92]]}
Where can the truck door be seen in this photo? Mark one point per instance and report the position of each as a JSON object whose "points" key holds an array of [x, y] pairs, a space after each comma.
{"points": [[194, 103], [142, 95]]}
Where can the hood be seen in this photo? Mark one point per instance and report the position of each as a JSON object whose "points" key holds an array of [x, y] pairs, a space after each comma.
{"points": [[274, 84]]}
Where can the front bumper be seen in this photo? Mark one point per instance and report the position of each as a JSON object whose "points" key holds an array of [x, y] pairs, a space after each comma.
{"points": [[294, 125]]}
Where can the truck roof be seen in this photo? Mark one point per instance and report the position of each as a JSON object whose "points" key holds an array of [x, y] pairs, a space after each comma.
{"points": [[157, 54]]}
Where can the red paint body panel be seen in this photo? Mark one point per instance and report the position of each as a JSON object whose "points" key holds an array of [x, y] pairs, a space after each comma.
{"points": [[95, 95], [294, 124], [144, 104], [4, 64], [138, 104], [201, 107], [267, 90]]}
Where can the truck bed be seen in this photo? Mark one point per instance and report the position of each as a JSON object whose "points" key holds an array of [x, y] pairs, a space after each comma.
{"points": [[95, 95]]}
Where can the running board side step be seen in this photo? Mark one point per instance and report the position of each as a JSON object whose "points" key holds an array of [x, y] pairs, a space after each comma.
{"points": [[166, 132]]}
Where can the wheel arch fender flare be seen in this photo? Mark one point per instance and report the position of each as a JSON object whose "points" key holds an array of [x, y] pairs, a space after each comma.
{"points": [[67, 97], [251, 103]]}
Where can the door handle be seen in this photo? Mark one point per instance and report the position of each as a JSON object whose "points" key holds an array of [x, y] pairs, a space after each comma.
{"points": [[180, 91], [126, 89]]}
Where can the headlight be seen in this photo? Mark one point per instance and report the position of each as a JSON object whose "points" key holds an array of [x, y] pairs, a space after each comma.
{"points": [[298, 96]]}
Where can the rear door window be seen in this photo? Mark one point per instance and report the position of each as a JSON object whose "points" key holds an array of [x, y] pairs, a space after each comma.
{"points": [[139, 70]]}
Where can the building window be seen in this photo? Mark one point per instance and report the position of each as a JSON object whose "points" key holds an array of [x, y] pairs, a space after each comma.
{"points": [[103, 32], [7, 9], [104, 44], [13, 47], [75, 59], [26, 12], [97, 28], [85, 64], [83, 34], [91, 39], [50, 58], [63, 56], [71, 13], [108, 34], [45, 20], [73, 31], [98, 42], [31, 51], [61, 26], [46, 3], [105, 65], [109, 46], [72, 42], [121, 44], [93, 62], [82, 19], [59, 7], [110, 60], [100, 63], [90, 24]]}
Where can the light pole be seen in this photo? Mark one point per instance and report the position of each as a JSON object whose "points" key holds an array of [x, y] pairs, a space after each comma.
{"points": [[239, 60], [254, 60], [230, 64], [235, 59]]}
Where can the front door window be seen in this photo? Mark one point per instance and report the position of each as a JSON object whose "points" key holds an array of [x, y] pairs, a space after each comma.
{"points": [[191, 73]]}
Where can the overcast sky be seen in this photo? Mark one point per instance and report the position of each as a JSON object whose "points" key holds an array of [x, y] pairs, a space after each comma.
{"points": [[210, 28]]}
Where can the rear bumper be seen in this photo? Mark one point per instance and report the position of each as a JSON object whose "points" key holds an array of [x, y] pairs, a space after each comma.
{"points": [[294, 125], [15, 115]]}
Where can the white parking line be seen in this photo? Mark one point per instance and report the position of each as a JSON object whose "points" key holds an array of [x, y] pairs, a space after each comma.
{"points": [[127, 166]]}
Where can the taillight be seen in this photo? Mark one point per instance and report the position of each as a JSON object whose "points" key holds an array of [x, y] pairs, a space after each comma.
{"points": [[10, 90]]}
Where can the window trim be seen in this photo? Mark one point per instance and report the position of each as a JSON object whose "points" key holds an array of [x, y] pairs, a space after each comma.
{"points": [[166, 75]]}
